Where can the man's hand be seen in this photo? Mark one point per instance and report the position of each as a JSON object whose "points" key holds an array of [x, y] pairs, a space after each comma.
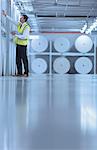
{"points": [[4, 13], [13, 32]]}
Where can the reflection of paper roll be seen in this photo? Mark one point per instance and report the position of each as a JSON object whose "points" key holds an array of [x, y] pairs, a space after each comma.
{"points": [[61, 65], [83, 43], [83, 65], [39, 65], [62, 44], [39, 44]]}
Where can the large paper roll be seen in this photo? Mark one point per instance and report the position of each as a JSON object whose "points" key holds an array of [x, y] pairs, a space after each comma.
{"points": [[83, 43], [83, 65], [39, 44], [39, 65], [62, 44], [61, 65]]}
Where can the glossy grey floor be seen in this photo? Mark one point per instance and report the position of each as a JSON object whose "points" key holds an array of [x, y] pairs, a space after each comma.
{"points": [[48, 112]]}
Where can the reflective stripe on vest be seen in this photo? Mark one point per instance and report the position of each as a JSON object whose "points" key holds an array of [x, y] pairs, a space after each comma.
{"points": [[21, 30]]}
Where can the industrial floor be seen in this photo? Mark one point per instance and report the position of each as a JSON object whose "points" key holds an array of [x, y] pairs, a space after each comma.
{"points": [[56, 112]]}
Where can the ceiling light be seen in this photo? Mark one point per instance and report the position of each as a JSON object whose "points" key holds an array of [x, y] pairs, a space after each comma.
{"points": [[92, 27], [84, 28]]}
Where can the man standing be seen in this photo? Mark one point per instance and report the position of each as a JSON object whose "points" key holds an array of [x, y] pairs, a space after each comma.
{"points": [[21, 40]]}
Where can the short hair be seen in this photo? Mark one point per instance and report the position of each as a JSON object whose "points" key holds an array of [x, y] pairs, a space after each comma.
{"points": [[25, 17]]}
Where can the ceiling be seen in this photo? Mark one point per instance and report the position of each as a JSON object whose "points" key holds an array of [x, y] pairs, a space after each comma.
{"points": [[58, 15]]}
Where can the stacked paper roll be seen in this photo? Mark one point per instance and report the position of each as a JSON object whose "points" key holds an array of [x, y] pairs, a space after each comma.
{"points": [[61, 65], [83, 43], [39, 44], [83, 65], [39, 65], [61, 44]]}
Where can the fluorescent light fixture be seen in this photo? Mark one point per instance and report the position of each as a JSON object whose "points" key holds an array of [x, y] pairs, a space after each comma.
{"points": [[92, 27], [84, 28]]}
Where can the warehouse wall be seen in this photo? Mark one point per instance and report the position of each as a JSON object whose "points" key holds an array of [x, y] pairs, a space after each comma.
{"points": [[8, 52]]}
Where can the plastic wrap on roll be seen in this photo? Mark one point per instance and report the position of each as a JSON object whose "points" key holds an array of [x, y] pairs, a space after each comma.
{"points": [[61, 65], [62, 44], [83, 43], [83, 65], [39, 44], [39, 65]]}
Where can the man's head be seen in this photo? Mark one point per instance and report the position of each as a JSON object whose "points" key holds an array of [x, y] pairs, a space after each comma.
{"points": [[23, 18]]}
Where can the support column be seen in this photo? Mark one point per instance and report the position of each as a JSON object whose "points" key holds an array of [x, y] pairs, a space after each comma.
{"points": [[8, 39], [0, 42]]}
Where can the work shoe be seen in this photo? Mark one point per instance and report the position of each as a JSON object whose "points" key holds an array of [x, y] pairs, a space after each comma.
{"points": [[25, 75], [17, 75]]}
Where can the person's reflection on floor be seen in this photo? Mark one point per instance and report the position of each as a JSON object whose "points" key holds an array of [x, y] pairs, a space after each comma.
{"points": [[21, 103]]}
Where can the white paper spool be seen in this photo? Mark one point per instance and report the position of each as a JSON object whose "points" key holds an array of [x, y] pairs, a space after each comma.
{"points": [[39, 44], [39, 65], [61, 65], [83, 65], [62, 44], [83, 44]]}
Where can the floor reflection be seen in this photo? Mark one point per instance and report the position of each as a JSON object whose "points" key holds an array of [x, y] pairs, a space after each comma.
{"points": [[48, 112]]}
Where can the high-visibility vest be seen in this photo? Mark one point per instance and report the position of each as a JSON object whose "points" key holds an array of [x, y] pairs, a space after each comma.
{"points": [[20, 29]]}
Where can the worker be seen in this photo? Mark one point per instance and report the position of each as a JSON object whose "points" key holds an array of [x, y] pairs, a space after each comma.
{"points": [[21, 39]]}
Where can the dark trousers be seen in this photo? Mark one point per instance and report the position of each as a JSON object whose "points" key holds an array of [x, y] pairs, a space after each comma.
{"points": [[21, 56]]}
